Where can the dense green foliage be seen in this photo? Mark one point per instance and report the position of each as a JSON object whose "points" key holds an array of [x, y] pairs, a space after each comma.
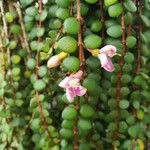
{"points": [[34, 111]]}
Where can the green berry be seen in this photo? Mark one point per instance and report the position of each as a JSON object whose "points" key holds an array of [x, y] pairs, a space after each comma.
{"points": [[31, 11], [89, 84], [69, 113], [62, 13], [91, 1], [66, 133], [67, 44], [15, 59], [129, 58], [71, 25], [96, 26], [84, 124], [9, 17], [87, 111], [130, 6], [131, 41], [124, 104], [92, 41], [31, 63], [115, 10], [109, 2], [67, 124], [114, 31], [15, 29], [71, 63], [93, 63], [63, 3], [12, 44], [16, 71], [39, 85], [42, 71]]}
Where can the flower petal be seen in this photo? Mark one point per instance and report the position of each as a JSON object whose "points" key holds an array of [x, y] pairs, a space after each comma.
{"points": [[80, 91], [110, 50], [77, 75], [103, 59], [53, 62], [109, 65], [70, 94], [64, 83]]}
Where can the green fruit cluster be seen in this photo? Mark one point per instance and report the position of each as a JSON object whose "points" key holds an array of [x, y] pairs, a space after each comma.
{"points": [[35, 112]]}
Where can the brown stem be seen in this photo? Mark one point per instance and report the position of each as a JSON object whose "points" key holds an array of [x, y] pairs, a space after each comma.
{"points": [[82, 63], [17, 6], [138, 62], [102, 19], [43, 119], [118, 84], [5, 29]]}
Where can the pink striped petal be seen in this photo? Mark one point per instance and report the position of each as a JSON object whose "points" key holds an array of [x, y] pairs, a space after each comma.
{"points": [[77, 75], [109, 65]]}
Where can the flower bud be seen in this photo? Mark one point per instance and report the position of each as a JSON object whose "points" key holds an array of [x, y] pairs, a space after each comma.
{"points": [[55, 61]]}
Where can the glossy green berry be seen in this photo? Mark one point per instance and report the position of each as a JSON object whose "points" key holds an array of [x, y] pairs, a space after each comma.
{"points": [[91, 1], [87, 111], [93, 63], [115, 10], [131, 41], [92, 41], [124, 104], [71, 25], [62, 13], [39, 85], [129, 58], [42, 71], [31, 63], [66, 133], [16, 71], [15, 59], [130, 6], [67, 124], [96, 26], [109, 2], [9, 17], [84, 124], [15, 29], [12, 44], [67, 44], [114, 31], [89, 84], [71, 63], [63, 3], [69, 113]]}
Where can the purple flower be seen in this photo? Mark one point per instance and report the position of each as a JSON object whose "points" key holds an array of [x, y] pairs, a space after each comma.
{"points": [[105, 55], [72, 86]]}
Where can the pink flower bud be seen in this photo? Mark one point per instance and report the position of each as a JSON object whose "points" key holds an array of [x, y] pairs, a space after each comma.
{"points": [[54, 61]]}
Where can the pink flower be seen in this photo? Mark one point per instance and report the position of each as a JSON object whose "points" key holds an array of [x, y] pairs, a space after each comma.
{"points": [[72, 86], [104, 56]]}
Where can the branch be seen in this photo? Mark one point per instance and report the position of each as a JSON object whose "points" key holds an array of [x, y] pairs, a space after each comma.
{"points": [[5, 29], [17, 6]]}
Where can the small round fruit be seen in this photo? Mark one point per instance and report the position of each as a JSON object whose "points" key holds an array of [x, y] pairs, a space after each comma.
{"points": [[31, 63], [67, 124], [114, 31], [63, 3], [131, 41], [91, 1], [15, 59], [16, 71], [66, 133], [71, 25], [84, 124], [129, 58], [62, 13], [42, 71], [115, 10], [96, 26], [67, 44], [9, 17], [90, 84], [109, 2], [87, 111], [92, 41], [39, 85], [71, 63], [69, 113]]}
